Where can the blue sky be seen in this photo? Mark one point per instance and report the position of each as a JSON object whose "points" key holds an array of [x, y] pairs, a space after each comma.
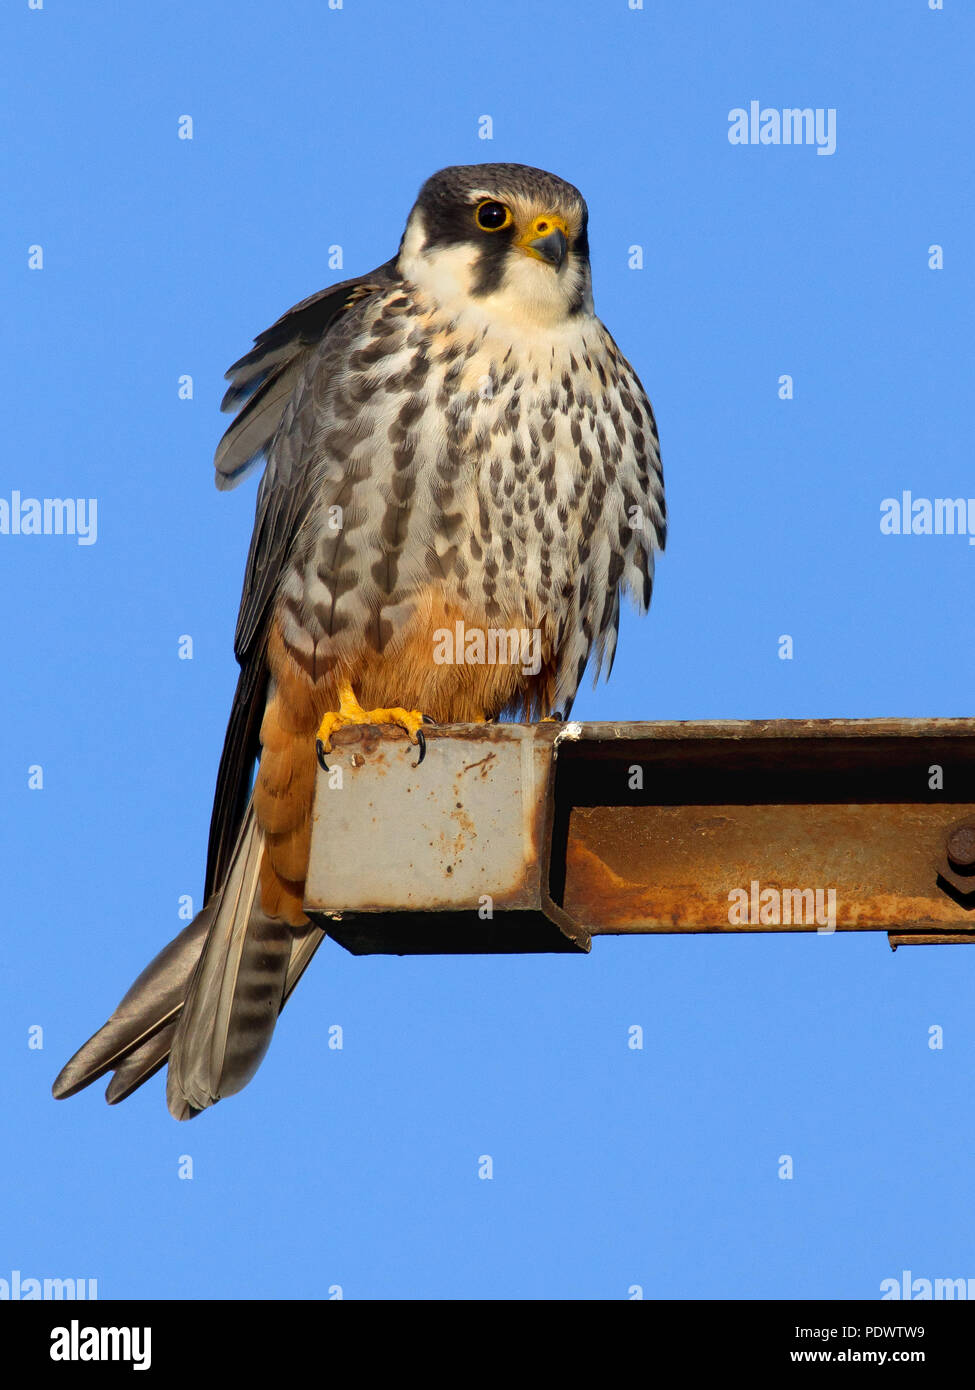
{"points": [[163, 257]]}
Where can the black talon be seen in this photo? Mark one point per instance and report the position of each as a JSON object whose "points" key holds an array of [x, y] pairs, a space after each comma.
{"points": [[429, 719], [320, 753], [422, 745]]}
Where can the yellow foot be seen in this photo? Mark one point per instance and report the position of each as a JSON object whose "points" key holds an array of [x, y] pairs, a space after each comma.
{"points": [[351, 712]]}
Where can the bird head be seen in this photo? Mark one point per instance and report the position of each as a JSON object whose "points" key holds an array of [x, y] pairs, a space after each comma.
{"points": [[503, 241]]}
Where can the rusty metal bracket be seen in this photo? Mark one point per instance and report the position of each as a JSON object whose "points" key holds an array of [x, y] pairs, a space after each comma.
{"points": [[536, 837]]}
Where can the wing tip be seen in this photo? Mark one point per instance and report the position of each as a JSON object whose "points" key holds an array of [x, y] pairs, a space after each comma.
{"points": [[63, 1087], [78, 1073], [227, 473]]}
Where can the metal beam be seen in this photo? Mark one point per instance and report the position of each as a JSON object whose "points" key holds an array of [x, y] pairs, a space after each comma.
{"points": [[516, 837]]}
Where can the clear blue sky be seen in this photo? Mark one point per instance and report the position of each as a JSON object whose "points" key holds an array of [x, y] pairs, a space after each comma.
{"points": [[163, 257]]}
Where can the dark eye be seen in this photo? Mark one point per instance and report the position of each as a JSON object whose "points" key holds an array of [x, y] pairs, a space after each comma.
{"points": [[491, 217]]}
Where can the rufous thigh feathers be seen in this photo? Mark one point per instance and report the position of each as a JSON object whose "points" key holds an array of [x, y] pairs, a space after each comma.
{"points": [[285, 785], [429, 668]]}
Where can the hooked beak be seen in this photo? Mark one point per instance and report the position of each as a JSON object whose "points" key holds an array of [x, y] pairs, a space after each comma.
{"points": [[546, 240]]}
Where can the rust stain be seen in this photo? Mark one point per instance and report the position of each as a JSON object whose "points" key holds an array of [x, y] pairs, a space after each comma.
{"points": [[464, 820], [604, 901], [484, 764], [607, 902], [927, 939]]}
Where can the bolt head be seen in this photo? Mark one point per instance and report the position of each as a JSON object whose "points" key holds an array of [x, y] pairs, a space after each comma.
{"points": [[961, 848]]}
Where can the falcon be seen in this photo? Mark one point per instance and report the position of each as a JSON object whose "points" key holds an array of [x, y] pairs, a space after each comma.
{"points": [[453, 438]]}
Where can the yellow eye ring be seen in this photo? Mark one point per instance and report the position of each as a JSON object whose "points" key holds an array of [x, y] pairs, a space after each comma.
{"points": [[492, 216]]}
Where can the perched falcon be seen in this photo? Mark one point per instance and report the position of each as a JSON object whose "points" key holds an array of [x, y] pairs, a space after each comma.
{"points": [[453, 437]]}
